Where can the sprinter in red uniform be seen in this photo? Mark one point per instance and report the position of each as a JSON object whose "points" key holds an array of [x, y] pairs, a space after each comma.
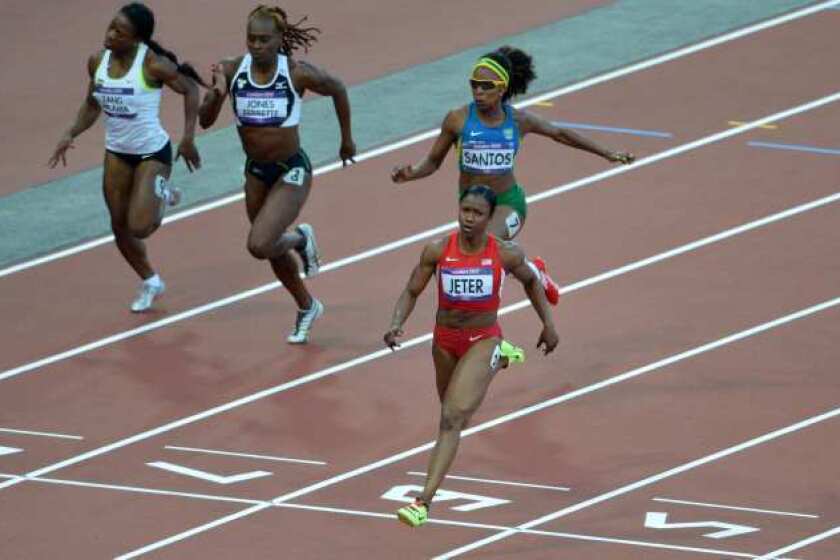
{"points": [[468, 348]]}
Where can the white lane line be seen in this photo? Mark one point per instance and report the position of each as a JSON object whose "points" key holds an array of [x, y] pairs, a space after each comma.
{"points": [[4, 450], [369, 514], [501, 482], [734, 508], [679, 53], [525, 412], [687, 147], [801, 544], [333, 370], [43, 434], [133, 489], [653, 479], [390, 517], [247, 455], [413, 238]]}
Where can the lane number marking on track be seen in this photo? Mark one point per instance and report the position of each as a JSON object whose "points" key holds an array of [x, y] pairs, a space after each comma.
{"points": [[407, 492], [659, 520]]}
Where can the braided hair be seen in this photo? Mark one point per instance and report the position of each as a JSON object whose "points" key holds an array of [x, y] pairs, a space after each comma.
{"points": [[294, 35], [520, 67], [143, 21]]}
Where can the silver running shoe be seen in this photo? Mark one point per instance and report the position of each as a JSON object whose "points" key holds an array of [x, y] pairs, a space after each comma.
{"points": [[305, 318], [146, 295], [310, 255]]}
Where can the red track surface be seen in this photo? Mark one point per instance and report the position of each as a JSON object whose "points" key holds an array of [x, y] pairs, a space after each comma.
{"points": [[596, 443], [380, 43]]}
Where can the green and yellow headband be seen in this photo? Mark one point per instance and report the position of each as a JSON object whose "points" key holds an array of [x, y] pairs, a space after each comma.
{"points": [[495, 67]]}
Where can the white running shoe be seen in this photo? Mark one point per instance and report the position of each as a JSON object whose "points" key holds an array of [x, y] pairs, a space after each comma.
{"points": [[310, 255], [146, 295], [305, 318]]}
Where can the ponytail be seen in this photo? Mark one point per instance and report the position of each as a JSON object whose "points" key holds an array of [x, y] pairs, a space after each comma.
{"points": [[520, 67], [143, 21], [184, 68]]}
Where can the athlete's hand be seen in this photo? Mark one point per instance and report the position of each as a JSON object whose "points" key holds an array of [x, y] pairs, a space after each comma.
{"points": [[401, 173], [548, 340], [191, 157], [218, 81], [347, 152], [391, 337], [621, 157], [60, 152]]}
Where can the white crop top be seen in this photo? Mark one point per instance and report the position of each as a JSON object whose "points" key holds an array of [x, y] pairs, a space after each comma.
{"points": [[131, 107]]}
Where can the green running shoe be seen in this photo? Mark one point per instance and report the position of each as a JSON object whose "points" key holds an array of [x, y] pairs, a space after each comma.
{"points": [[414, 514], [514, 354]]}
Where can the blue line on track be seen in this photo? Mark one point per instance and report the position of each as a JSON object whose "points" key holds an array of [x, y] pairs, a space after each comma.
{"points": [[583, 126], [795, 147]]}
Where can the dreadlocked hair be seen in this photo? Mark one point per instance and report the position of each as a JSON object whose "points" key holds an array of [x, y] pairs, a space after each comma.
{"points": [[294, 35], [143, 21], [520, 67]]}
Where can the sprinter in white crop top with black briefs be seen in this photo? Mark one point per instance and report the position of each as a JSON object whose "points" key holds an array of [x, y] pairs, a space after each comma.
{"points": [[265, 88], [126, 80]]}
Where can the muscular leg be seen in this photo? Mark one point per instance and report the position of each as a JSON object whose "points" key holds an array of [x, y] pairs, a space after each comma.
{"points": [[271, 212], [444, 367], [147, 203], [462, 396], [117, 186]]}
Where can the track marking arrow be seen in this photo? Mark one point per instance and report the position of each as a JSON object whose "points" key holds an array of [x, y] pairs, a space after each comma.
{"points": [[659, 520], [210, 477]]}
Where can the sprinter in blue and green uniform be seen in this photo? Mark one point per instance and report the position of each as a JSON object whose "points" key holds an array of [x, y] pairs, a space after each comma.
{"points": [[487, 135]]}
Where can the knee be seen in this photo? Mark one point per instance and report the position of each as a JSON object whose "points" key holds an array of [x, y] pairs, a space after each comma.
{"points": [[453, 419], [257, 251], [140, 226], [258, 248], [141, 230], [125, 230], [119, 228]]}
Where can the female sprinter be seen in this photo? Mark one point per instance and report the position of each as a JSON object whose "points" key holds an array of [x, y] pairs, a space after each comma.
{"points": [[126, 79], [266, 86], [487, 134], [468, 348]]}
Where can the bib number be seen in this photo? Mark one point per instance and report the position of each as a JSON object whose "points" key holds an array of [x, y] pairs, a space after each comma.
{"points": [[495, 359], [295, 176], [513, 223]]}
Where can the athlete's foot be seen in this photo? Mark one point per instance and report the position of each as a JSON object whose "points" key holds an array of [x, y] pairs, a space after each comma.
{"points": [[149, 290], [414, 514], [510, 354], [552, 290], [309, 253], [303, 324]]}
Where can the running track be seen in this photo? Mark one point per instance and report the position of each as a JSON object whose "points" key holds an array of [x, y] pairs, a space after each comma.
{"points": [[745, 419]]}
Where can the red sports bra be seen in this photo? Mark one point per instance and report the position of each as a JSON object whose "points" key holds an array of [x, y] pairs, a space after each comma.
{"points": [[470, 282]]}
